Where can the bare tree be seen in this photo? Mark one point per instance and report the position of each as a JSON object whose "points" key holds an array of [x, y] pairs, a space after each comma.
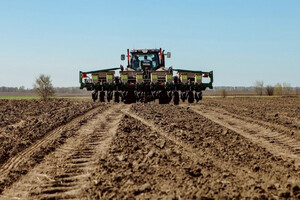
{"points": [[43, 86], [259, 87], [270, 90]]}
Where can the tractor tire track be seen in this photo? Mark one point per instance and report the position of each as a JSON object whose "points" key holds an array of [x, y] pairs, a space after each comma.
{"points": [[279, 144], [65, 172], [22, 157], [18, 165], [221, 166]]}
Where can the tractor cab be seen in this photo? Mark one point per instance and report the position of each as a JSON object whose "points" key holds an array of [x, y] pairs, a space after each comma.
{"points": [[142, 62], [145, 59]]}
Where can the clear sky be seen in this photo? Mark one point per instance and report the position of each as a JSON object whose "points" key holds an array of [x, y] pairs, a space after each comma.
{"points": [[241, 41]]}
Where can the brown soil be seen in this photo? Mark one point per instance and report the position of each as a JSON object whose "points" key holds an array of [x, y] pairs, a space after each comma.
{"points": [[282, 111], [22, 122], [66, 172], [217, 149]]}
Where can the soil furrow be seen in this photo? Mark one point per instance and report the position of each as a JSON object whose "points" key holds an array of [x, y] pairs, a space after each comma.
{"points": [[197, 155], [39, 118], [277, 143], [65, 172], [144, 164], [251, 163], [19, 164], [282, 114], [24, 155]]}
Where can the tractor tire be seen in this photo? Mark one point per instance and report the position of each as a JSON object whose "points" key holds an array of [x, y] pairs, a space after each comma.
{"points": [[117, 97], [94, 96], [191, 98], [109, 96], [130, 97], [163, 97], [123, 96], [183, 96], [147, 97], [198, 96], [102, 96], [170, 95], [176, 98], [139, 96], [155, 95]]}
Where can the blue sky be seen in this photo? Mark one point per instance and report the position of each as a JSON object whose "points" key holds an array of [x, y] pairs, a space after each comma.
{"points": [[241, 41]]}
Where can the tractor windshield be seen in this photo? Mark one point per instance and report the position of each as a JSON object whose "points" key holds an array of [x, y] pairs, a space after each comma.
{"points": [[138, 59]]}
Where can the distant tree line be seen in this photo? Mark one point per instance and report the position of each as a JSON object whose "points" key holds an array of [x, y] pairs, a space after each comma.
{"points": [[284, 89], [59, 90], [69, 90], [259, 88], [14, 89]]}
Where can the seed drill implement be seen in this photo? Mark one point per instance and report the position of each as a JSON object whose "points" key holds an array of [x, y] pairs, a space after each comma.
{"points": [[146, 78]]}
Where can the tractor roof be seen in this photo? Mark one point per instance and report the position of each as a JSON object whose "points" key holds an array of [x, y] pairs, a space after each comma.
{"points": [[145, 51]]}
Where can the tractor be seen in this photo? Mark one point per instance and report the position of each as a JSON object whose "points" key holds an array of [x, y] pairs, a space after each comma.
{"points": [[146, 78]]}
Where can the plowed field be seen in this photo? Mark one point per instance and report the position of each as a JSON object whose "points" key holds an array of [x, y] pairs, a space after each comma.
{"points": [[232, 148]]}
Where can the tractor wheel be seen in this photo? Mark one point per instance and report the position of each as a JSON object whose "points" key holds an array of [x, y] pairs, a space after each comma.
{"points": [[94, 96], [109, 96], [130, 97], [147, 97], [198, 96], [183, 96], [117, 97], [139, 96], [151, 97], [170, 95], [144, 99], [163, 97], [191, 98], [155, 95], [102, 96], [176, 98], [123, 96]]}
